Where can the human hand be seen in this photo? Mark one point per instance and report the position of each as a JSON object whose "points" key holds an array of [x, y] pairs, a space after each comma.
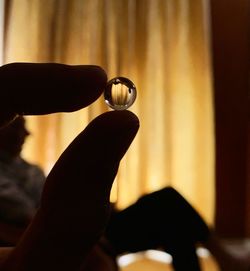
{"points": [[44, 88], [75, 201]]}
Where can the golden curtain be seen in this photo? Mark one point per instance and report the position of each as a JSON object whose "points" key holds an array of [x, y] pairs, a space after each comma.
{"points": [[163, 47]]}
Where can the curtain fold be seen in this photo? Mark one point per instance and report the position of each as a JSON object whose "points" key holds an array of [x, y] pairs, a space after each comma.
{"points": [[163, 47]]}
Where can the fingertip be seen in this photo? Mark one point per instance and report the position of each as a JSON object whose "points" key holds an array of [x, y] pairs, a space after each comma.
{"points": [[122, 119], [116, 124], [97, 77], [44, 88], [111, 133], [98, 73]]}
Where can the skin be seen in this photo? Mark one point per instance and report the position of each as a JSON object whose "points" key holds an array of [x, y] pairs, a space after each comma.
{"points": [[75, 201]]}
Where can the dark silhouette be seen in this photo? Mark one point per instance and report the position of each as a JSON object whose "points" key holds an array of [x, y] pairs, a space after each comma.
{"points": [[160, 220], [75, 201], [67, 231], [165, 220], [21, 183]]}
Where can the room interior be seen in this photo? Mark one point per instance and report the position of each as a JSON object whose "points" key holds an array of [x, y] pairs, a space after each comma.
{"points": [[190, 63]]}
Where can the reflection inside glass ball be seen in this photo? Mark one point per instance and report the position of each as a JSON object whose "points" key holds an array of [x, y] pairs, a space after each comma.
{"points": [[120, 93]]}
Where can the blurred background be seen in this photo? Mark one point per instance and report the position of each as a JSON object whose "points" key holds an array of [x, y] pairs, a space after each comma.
{"points": [[172, 50]]}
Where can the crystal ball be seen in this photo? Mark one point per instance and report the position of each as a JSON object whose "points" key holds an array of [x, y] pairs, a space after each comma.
{"points": [[120, 93]]}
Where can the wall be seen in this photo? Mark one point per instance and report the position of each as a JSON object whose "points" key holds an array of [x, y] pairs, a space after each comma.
{"points": [[230, 27]]}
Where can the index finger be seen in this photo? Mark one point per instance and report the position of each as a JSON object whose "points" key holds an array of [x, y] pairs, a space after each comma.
{"points": [[43, 88]]}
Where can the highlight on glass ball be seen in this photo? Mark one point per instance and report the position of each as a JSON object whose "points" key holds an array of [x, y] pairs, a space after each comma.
{"points": [[120, 93]]}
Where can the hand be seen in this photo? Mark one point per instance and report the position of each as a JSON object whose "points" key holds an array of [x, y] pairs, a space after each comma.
{"points": [[75, 201], [35, 89]]}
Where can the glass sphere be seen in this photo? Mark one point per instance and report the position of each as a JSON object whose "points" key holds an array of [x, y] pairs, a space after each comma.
{"points": [[120, 93]]}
